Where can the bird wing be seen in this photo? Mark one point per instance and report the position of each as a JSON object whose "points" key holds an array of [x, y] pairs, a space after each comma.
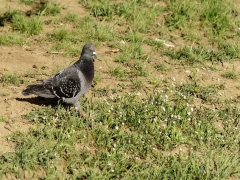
{"points": [[64, 84]]}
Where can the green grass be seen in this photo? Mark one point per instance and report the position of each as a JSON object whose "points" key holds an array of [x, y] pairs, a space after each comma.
{"points": [[127, 135], [145, 121], [10, 78], [161, 67], [230, 75], [3, 119], [27, 2], [15, 38], [29, 26], [118, 72]]}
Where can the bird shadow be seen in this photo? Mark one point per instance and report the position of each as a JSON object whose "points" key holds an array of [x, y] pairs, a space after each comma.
{"points": [[40, 101]]}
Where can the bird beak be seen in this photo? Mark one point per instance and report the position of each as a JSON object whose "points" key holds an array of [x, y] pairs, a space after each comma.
{"points": [[94, 54]]}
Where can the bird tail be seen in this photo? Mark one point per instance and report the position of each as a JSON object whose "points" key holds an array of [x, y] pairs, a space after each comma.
{"points": [[37, 89], [33, 89]]}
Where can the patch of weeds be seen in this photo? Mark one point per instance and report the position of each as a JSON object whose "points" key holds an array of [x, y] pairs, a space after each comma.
{"points": [[140, 19], [45, 7], [100, 92], [138, 69], [30, 26], [230, 75], [184, 53], [90, 30], [97, 79], [136, 84], [161, 67], [3, 119], [129, 52], [67, 41], [102, 9], [155, 81], [204, 93], [155, 43], [218, 86], [118, 72], [7, 39], [52, 9], [60, 35], [229, 51], [134, 37], [200, 54], [10, 78], [8, 16], [71, 17], [180, 13], [215, 14], [102, 33], [27, 2]]}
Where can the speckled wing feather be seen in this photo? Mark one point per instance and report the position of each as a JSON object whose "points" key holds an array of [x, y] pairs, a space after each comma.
{"points": [[65, 84]]}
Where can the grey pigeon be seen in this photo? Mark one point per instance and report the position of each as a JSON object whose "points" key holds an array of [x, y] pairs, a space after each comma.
{"points": [[71, 83]]}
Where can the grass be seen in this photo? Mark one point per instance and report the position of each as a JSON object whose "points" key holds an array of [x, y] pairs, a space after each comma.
{"points": [[145, 121], [12, 39], [230, 75], [29, 26], [10, 78], [129, 138], [27, 2]]}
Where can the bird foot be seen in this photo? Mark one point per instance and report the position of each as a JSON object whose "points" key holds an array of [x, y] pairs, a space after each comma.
{"points": [[82, 114], [85, 116]]}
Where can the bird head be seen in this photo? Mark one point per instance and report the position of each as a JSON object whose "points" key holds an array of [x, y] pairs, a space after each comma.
{"points": [[90, 50]]}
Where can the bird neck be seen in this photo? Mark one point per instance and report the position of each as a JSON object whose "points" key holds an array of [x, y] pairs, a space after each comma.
{"points": [[87, 68]]}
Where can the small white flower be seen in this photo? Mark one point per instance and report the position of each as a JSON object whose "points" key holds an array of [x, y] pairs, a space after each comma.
{"points": [[116, 127], [163, 108]]}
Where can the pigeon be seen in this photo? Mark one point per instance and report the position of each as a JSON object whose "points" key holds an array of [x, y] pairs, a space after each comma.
{"points": [[71, 83]]}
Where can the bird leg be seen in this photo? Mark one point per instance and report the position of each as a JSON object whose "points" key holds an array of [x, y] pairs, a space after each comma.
{"points": [[77, 107]]}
